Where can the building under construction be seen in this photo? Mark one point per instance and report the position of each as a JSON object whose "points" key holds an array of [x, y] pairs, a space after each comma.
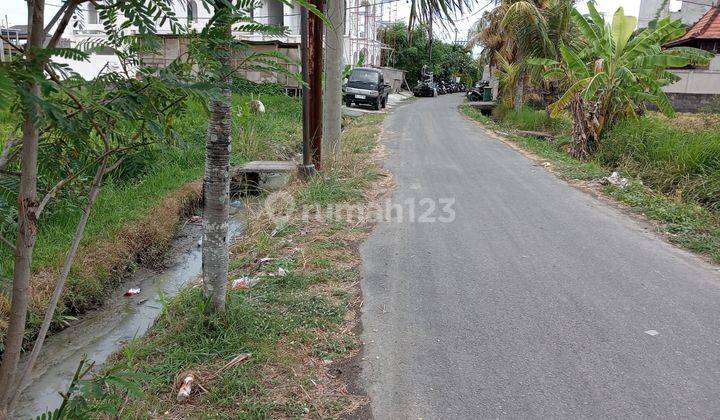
{"points": [[363, 20]]}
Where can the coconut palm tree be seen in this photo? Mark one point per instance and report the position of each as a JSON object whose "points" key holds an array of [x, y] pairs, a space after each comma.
{"points": [[425, 11], [522, 29], [507, 74], [487, 32]]}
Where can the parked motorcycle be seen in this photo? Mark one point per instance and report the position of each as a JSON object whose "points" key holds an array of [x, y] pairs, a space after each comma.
{"points": [[442, 88], [476, 94]]}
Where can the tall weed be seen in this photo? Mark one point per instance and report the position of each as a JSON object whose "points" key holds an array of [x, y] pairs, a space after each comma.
{"points": [[676, 161]]}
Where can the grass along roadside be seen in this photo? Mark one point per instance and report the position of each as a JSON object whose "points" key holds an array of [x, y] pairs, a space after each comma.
{"points": [[299, 327], [134, 221], [682, 220]]}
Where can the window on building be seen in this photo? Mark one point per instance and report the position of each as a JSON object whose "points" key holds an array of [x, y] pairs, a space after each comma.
{"points": [[192, 11], [275, 13], [93, 16]]}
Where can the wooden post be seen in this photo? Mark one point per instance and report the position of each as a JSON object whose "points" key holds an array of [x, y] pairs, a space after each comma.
{"points": [[306, 169], [315, 70]]}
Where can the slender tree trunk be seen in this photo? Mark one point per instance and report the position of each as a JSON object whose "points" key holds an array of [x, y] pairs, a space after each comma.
{"points": [[27, 218], [216, 187], [332, 115], [519, 91], [59, 286]]}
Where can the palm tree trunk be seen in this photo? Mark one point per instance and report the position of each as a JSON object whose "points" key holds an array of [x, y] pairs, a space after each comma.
{"points": [[27, 220], [216, 186], [550, 95], [519, 90]]}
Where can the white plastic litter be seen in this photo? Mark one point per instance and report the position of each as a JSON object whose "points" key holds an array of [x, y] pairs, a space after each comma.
{"points": [[185, 388], [652, 333], [257, 107], [616, 180], [245, 282]]}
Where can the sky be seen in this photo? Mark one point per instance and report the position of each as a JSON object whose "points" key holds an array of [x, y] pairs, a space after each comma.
{"points": [[464, 22], [16, 12]]}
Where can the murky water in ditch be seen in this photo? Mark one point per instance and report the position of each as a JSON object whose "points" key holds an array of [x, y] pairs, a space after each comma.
{"points": [[102, 332]]}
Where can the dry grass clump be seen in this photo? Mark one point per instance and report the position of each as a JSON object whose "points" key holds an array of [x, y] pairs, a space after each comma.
{"points": [[692, 121]]}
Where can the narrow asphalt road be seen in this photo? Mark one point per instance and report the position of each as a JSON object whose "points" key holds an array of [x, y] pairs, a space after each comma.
{"points": [[534, 302]]}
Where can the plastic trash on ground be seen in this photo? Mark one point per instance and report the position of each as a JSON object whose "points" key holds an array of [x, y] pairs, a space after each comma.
{"points": [[245, 282], [615, 179]]}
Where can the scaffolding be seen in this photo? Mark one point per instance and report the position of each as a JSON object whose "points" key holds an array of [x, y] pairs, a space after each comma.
{"points": [[364, 18]]}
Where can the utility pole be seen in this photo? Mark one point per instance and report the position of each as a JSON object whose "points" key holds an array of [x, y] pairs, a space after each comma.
{"points": [[311, 35], [332, 115]]}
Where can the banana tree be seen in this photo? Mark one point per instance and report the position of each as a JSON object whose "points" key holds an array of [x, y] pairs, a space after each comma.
{"points": [[610, 74]]}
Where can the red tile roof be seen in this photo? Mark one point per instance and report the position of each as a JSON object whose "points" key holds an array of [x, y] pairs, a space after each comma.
{"points": [[708, 27]]}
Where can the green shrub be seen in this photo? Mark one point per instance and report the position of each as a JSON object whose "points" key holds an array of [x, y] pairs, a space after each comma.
{"points": [[246, 87], [679, 162], [500, 111], [530, 119]]}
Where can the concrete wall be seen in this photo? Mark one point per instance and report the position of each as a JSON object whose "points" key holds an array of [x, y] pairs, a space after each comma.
{"points": [[648, 8], [692, 102], [696, 89], [691, 12], [704, 82], [174, 47], [269, 11], [394, 77]]}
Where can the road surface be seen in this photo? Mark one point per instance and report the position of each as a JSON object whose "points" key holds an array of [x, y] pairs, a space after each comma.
{"points": [[537, 301]]}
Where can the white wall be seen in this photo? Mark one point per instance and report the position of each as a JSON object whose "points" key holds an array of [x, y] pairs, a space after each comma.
{"points": [[705, 82], [648, 8], [692, 12], [202, 16], [291, 19], [90, 69]]}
